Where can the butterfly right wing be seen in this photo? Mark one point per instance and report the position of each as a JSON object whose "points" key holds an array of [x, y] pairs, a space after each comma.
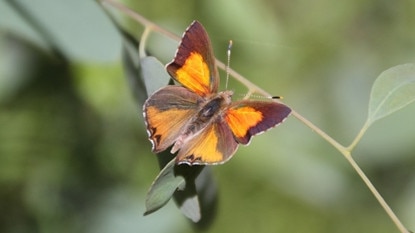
{"points": [[167, 112], [247, 118]]}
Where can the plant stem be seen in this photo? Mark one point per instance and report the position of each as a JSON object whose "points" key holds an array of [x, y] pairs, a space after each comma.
{"points": [[358, 136], [374, 191], [329, 139], [139, 18], [347, 154], [143, 42]]}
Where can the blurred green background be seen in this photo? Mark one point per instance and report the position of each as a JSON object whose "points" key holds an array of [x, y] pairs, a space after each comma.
{"points": [[74, 154]]}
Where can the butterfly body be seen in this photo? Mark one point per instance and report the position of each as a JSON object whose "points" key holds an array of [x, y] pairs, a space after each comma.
{"points": [[209, 112], [203, 125]]}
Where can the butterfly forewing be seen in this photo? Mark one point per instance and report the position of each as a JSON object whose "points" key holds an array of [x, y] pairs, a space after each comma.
{"points": [[166, 112], [194, 64], [247, 118]]}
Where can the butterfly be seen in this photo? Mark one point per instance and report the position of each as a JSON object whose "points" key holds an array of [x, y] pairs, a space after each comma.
{"points": [[202, 125]]}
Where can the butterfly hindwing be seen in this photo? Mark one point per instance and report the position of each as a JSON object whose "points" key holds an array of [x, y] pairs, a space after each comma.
{"points": [[213, 145], [247, 118], [194, 64]]}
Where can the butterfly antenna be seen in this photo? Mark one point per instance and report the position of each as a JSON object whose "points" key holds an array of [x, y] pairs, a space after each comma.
{"points": [[249, 94], [228, 64]]}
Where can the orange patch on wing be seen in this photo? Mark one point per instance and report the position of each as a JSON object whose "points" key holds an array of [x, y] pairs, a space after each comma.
{"points": [[164, 126], [202, 149], [195, 74], [240, 120], [208, 147], [161, 116]]}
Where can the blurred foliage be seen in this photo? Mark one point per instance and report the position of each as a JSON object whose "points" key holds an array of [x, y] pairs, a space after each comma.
{"points": [[74, 154]]}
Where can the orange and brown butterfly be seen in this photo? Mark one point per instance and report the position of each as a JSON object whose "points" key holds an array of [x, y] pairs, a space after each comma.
{"points": [[203, 125]]}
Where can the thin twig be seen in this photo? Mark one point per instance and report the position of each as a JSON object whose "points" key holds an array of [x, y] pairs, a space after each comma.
{"points": [[375, 192], [358, 136], [139, 18]]}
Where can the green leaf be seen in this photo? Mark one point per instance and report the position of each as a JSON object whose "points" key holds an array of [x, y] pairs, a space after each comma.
{"points": [[200, 206], [188, 198], [392, 90], [163, 188], [154, 74], [145, 75], [192, 187], [131, 64], [180, 181]]}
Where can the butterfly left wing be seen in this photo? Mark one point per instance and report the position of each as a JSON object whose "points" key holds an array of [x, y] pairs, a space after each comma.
{"points": [[214, 145], [247, 118], [194, 64], [167, 112]]}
